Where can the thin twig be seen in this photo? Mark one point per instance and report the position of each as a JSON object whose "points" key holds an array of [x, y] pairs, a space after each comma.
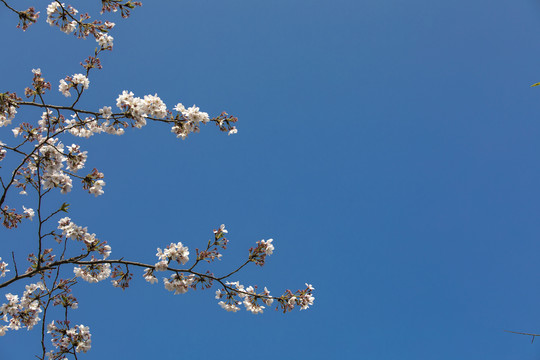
{"points": [[14, 263], [10, 8], [522, 333]]}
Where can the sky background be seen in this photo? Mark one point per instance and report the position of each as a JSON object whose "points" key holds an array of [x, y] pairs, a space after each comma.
{"points": [[389, 147]]}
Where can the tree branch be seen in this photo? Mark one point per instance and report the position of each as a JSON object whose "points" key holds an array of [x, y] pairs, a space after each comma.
{"points": [[522, 333]]}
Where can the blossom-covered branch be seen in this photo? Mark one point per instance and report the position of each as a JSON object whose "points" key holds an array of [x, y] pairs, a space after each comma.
{"points": [[44, 160]]}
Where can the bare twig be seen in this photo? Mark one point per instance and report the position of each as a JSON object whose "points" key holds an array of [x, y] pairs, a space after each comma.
{"points": [[522, 333], [14, 263]]}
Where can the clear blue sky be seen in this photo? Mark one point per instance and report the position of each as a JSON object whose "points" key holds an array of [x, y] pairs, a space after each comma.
{"points": [[391, 148]]}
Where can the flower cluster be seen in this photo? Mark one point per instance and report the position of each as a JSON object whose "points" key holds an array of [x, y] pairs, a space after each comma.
{"points": [[49, 163], [93, 273], [28, 213], [115, 5], [67, 339], [149, 276], [106, 112], [220, 232], [121, 278], [72, 82], [230, 306], [22, 312], [65, 17], [88, 127], [39, 85], [261, 251], [191, 117], [8, 108], [212, 252], [10, 217], [66, 301], [173, 252], [52, 159], [64, 297], [27, 18], [139, 109], [57, 14], [3, 268], [303, 298], [70, 230], [105, 41], [236, 294], [251, 300], [75, 158], [178, 283], [247, 296]]}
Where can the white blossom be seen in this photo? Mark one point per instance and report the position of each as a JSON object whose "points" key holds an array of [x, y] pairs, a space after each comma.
{"points": [[78, 336], [81, 79], [269, 248], [178, 283], [69, 27], [306, 298], [195, 115], [106, 112], [253, 307], [51, 9], [64, 88], [29, 213], [180, 108], [3, 268], [96, 188], [306, 301], [105, 251], [43, 122], [23, 312], [93, 273], [149, 276], [219, 294], [154, 106], [161, 265], [132, 106], [222, 229], [228, 307], [104, 40], [267, 301], [176, 252], [7, 115], [75, 159], [52, 159]]}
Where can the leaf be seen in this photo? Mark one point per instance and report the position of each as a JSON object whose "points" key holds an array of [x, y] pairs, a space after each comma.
{"points": [[533, 85], [64, 207]]}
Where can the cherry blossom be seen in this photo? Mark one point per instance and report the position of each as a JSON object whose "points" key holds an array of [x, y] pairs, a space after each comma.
{"points": [[93, 273], [3, 268], [174, 252], [67, 253], [105, 41]]}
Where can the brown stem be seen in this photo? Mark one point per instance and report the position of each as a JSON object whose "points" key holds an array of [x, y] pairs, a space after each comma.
{"points": [[522, 333], [10, 8]]}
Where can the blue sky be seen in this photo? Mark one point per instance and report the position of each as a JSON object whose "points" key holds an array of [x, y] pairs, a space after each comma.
{"points": [[390, 148]]}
